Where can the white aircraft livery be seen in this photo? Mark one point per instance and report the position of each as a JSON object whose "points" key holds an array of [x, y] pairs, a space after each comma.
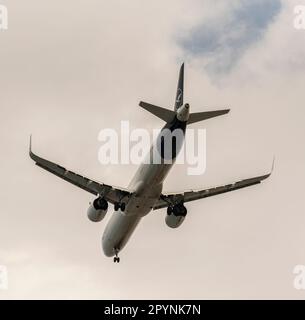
{"points": [[144, 192]]}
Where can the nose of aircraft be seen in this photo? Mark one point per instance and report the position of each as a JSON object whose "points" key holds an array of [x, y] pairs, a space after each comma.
{"points": [[183, 112], [107, 246]]}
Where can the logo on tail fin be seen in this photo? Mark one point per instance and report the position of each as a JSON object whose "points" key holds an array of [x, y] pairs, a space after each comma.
{"points": [[179, 95]]}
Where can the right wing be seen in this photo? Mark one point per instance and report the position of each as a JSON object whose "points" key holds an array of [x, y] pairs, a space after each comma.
{"points": [[110, 193], [171, 199]]}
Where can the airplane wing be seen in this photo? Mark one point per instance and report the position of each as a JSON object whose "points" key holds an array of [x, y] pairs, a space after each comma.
{"points": [[171, 199], [110, 193]]}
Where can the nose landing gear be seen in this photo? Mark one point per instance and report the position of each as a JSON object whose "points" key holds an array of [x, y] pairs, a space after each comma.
{"points": [[116, 259]]}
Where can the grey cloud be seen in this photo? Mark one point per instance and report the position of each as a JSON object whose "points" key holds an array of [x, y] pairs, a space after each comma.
{"points": [[223, 43]]}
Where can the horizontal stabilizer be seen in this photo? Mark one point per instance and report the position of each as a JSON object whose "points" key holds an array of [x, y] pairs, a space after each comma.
{"points": [[162, 113], [199, 116]]}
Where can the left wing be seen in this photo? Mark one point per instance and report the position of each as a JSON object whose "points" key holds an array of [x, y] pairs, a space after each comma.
{"points": [[171, 199], [110, 193]]}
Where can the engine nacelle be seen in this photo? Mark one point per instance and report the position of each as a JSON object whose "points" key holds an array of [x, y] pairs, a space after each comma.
{"points": [[97, 210], [175, 216]]}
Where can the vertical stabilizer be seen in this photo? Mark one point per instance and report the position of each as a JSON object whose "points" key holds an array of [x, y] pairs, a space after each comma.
{"points": [[179, 95]]}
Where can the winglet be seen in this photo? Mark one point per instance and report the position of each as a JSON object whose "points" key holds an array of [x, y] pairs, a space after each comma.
{"points": [[32, 156], [271, 171], [30, 146], [272, 168]]}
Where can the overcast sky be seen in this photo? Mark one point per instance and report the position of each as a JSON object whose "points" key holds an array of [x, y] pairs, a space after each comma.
{"points": [[71, 68]]}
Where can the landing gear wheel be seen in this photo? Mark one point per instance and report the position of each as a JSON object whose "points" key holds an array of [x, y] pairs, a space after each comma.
{"points": [[116, 258], [118, 206]]}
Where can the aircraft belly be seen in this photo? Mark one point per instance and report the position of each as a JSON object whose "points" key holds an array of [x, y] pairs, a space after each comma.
{"points": [[122, 224], [150, 175], [118, 231]]}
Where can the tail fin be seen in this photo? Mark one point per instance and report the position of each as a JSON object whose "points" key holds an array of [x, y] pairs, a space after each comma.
{"points": [[169, 115], [179, 95]]}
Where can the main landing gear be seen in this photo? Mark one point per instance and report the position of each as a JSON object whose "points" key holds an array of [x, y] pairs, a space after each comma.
{"points": [[118, 206], [116, 259]]}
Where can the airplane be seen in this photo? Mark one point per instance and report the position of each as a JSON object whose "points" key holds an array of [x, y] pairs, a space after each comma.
{"points": [[144, 192]]}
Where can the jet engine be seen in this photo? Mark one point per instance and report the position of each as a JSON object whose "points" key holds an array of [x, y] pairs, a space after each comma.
{"points": [[97, 210], [175, 215]]}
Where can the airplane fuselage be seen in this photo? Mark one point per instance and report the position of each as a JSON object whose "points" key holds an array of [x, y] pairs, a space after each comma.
{"points": [[147, 185]]}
